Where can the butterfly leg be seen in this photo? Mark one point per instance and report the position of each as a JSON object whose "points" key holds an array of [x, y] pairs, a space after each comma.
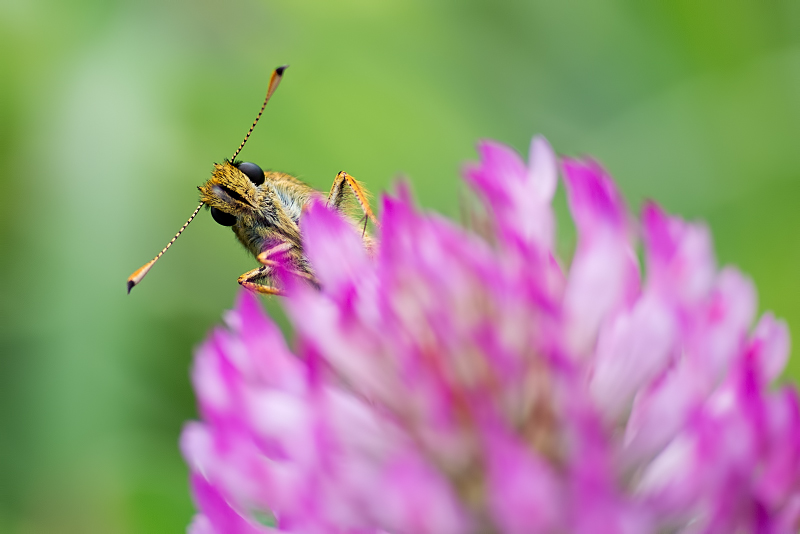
{"points": [[265, 258], [252, 280], [336, 197]]}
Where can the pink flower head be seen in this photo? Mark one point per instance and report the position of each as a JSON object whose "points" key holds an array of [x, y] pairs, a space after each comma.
{"points": [[455, 383]]}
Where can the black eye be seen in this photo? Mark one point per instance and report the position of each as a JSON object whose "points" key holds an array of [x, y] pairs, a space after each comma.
{"points": [[225, 219], [252, 171]]}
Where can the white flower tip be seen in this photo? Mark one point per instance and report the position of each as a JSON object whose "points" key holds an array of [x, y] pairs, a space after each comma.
{"points": [[543, 167]]}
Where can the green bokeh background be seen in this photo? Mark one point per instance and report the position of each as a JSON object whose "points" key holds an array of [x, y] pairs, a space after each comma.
{"points": [[111, 113]]}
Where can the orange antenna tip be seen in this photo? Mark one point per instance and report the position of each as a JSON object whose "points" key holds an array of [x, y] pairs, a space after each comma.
{"points": [[139, 275]]}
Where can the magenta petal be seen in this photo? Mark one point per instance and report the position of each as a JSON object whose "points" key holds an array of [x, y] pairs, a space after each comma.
{"points": [[659, 413], [789, 516], [717, 333], [680, 259], [595, 503], [500, 166], [593, 197], [195, 443], [542, 169], [270, 360], [604, 273], [215, 377], [771, 345], [518, 196], [602, 276], [200, 525], [416, 499], [524, 492], [333, 245], [632, 349], [781, 452], [218, 512]]}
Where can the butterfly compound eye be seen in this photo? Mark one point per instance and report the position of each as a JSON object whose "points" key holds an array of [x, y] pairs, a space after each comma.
{"points": [[252, 171], [225, 219]]}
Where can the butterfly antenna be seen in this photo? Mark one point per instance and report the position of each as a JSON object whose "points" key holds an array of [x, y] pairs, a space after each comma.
{"points": [[274, 80], [140, 273]]}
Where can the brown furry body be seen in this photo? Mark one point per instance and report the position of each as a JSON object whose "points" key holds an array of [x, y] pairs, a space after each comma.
{"points": [[267, 215]]}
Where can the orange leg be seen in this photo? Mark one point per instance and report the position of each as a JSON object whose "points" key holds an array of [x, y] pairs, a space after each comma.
{"points": [[264, 257], [337, 195], [251, 281]]}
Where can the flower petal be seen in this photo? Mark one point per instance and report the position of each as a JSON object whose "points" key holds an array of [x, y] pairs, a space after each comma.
{"points": [[604, 273], [771, 343], [333, 245], [518, 196]]}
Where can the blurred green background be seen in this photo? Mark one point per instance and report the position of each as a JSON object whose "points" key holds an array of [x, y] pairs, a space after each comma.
{"points": [[111, 113]]}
